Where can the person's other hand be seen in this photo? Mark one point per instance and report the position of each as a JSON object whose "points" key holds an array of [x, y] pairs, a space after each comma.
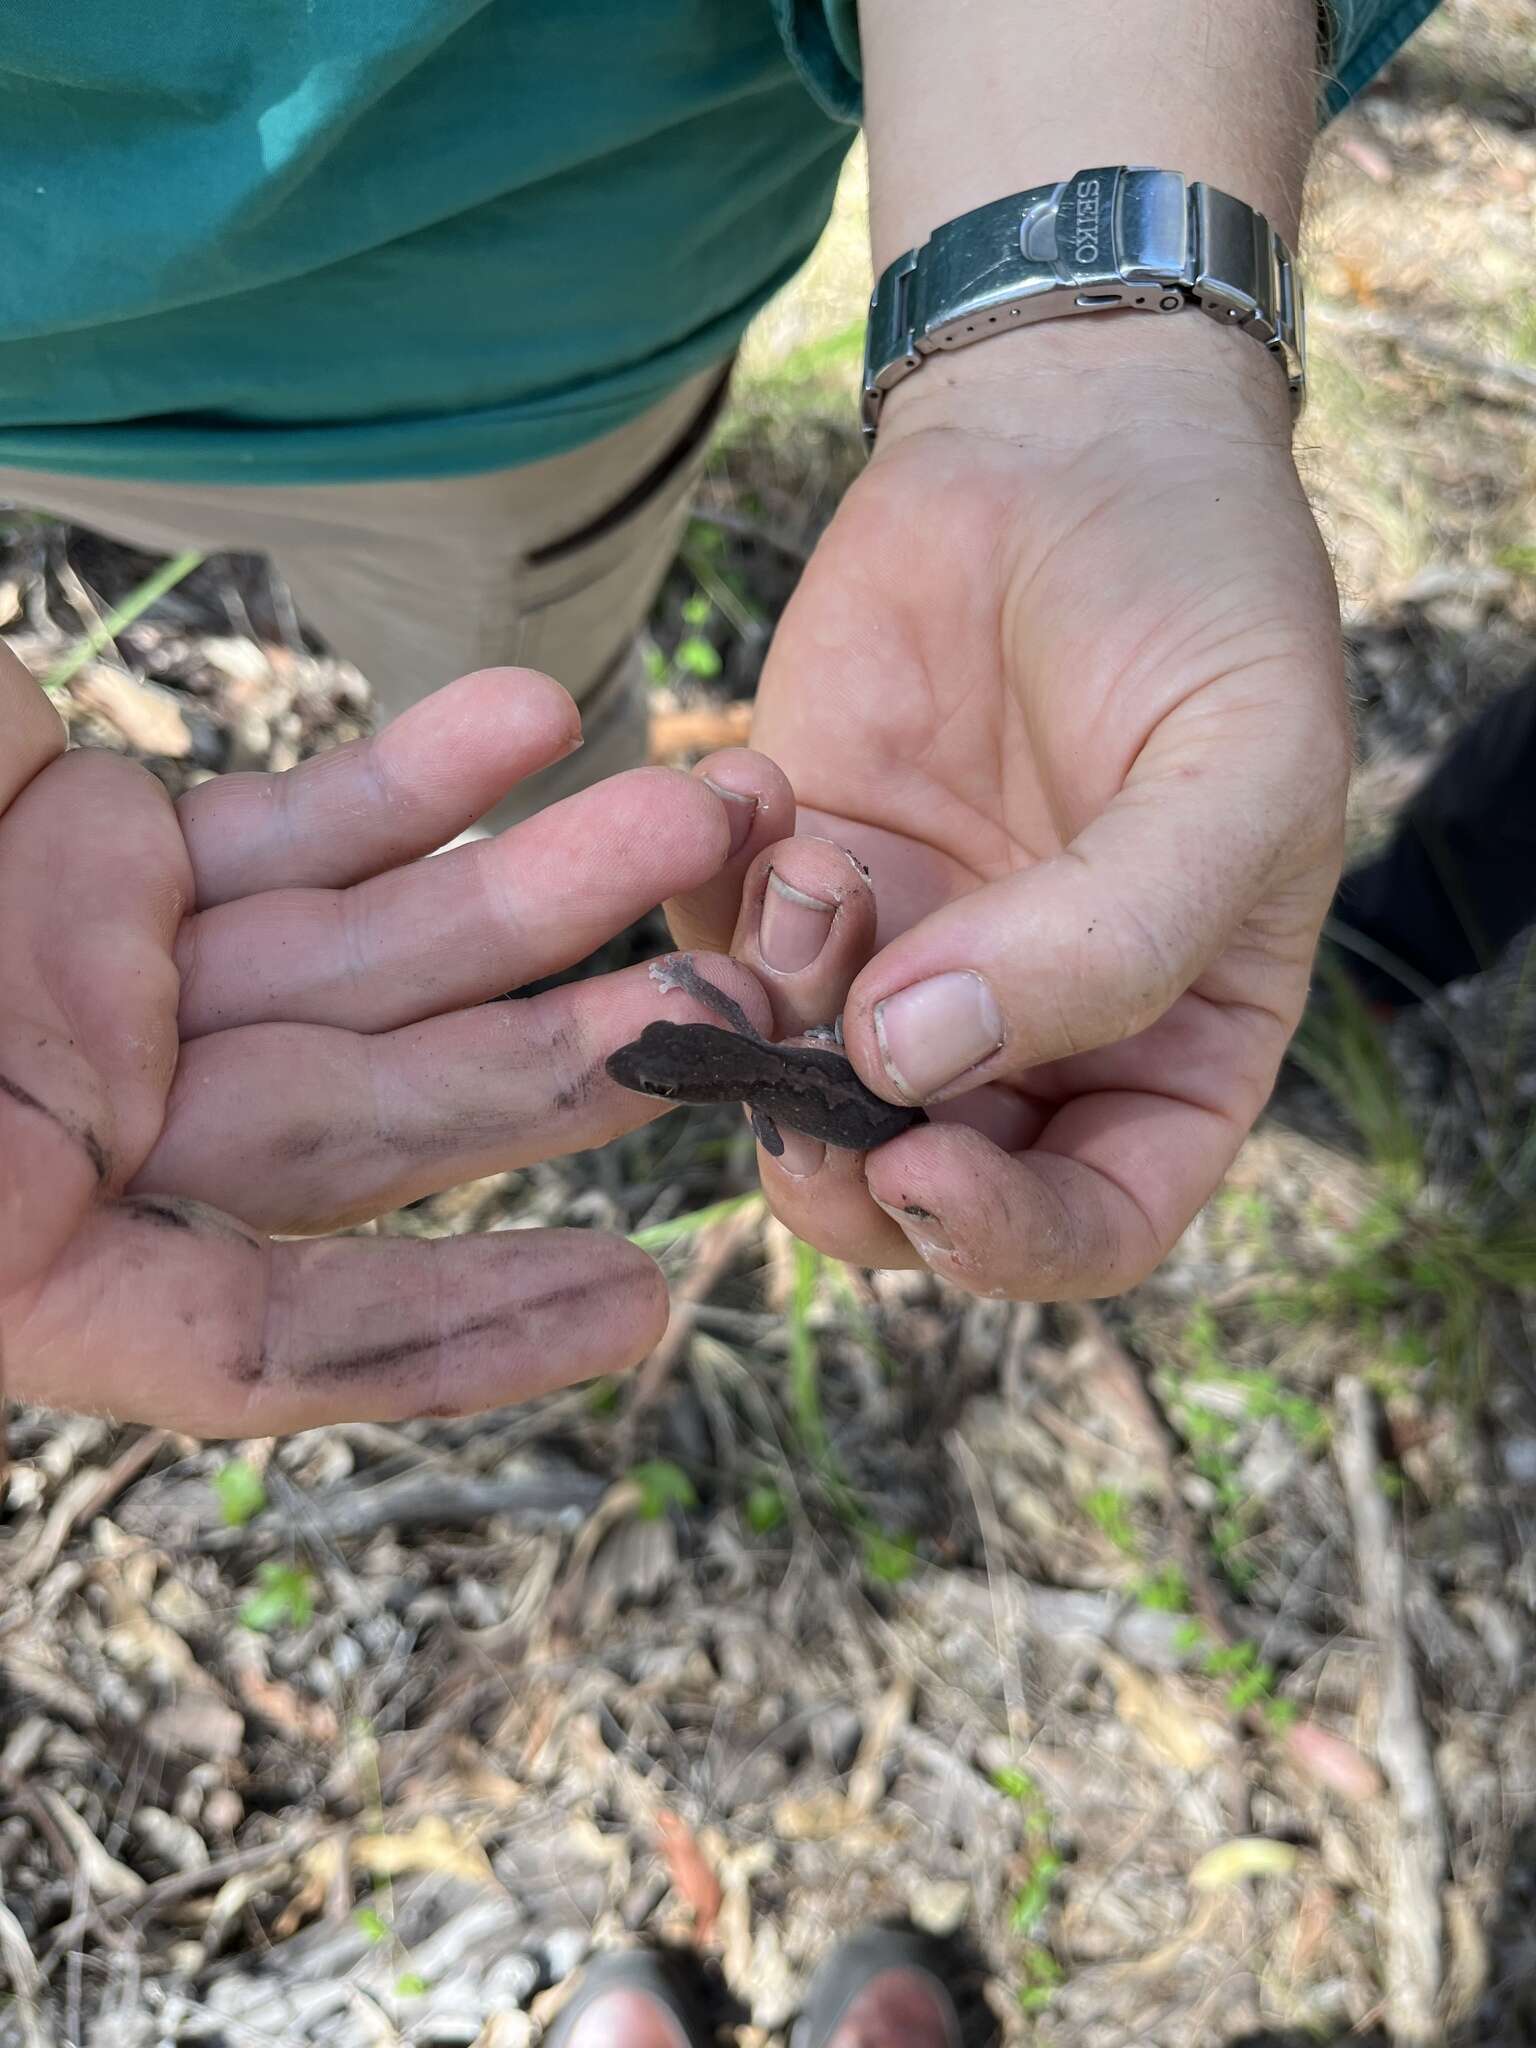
{"points": [[258, 1012], [1065, 672]]}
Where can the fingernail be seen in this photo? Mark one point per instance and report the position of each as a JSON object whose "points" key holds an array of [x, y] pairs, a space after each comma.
{"points": [[922, 1228], [793, 927], [741, 810], [802, 1156], [937, 1030]]}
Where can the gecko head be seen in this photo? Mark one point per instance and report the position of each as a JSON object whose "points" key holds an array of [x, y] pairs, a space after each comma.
{"points": [[647, 1063]]}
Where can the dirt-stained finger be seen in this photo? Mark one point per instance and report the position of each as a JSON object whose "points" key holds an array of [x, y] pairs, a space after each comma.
{"points": [[216, 1332], [299, 1128], [468, 926]]}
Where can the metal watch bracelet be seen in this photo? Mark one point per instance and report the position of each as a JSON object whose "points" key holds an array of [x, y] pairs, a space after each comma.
{"points": [[1127, 238]]}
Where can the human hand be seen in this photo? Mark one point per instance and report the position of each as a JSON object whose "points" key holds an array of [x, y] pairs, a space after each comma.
{"points": [[1065, 673], [257, 1011]]}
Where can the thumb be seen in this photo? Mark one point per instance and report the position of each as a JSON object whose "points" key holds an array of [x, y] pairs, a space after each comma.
{"points": [[1093, 944]]}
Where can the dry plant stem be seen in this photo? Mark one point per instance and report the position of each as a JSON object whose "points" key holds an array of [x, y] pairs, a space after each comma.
{"points": [[180, 1885], [439, 1499], [1007, 1625], [715, 1250], [1417, 1855], [84, 1498]]}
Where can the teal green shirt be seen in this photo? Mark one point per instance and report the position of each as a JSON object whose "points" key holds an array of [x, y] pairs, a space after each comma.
{"points": [[311, 241]]}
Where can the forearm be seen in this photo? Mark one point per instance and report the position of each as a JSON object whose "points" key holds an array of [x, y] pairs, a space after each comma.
{"points": [[971, 100]]}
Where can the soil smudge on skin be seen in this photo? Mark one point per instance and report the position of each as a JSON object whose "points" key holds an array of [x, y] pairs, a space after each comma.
{"points": [[379, 1361], [86, 1139], [177, 1212]]}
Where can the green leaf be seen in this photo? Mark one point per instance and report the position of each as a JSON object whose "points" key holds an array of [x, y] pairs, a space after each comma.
{"points": [[764, 1510], [697, 610], [284, 1598], [1247, 1692], [1016, 1784], [370, 1924], [888, 1559], [603, 1395], [655, 1235], [697, 656], [237, 1487], [1224, 1659], [1189, 1637], [1043, 1978], [1165, 1591], [411, 1985], [1106, 1507], [662, 1485], [1033, 1897], [656, 663]]}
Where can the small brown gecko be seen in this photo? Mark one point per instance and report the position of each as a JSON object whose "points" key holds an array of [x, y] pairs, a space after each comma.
{"points": [[807, 1088]]}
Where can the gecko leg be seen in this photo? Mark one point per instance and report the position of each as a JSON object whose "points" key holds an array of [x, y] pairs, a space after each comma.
{"points": [[682, 975], [766, 1131]]}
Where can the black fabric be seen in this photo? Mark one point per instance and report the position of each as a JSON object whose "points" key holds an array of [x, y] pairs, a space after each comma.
{"points": [[1458, 881]]}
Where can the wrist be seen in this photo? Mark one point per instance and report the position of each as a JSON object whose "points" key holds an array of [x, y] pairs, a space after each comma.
{"points": [[1094, 375]]}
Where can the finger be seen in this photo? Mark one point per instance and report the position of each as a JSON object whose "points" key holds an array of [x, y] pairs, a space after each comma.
{"points": [[821, 1193], [1140, 1136], [215, 1332], [757, 795], [462, 928], [1092, 945], [31, 732], [359, 809], [93, 883], [807, 926], [1091, 1211], [298, 1127]]}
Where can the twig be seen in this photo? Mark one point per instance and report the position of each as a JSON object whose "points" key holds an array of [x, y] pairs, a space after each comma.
{"points": [[21, 1968], [699, 732], [1417, 1866], [166, 1891], [84, 1498], [1498, 378], [439, 1497]]}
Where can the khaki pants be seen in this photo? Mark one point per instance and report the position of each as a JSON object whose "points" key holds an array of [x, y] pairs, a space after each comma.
{"points": [[552, 566]]}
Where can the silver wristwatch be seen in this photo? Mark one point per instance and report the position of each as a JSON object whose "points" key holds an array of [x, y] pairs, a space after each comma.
{"points": [[1100, 241]]}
